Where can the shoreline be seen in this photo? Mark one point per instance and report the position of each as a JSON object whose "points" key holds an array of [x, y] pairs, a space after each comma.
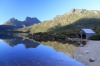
{"points": [[90, 50]]}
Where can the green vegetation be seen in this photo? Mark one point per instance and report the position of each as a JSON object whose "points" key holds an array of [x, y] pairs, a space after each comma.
{"points": [[95, 37], [68, 24], [71, 20]]}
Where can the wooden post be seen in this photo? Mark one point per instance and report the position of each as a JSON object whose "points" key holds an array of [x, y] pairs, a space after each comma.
{"points": [[81, 38]]}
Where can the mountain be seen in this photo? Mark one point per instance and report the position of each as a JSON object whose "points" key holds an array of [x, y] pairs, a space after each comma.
{"points": [[69, 22], [14, 23], [30, 21]]}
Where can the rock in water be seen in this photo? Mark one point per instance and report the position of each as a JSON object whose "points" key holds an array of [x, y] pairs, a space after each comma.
{"points": [[91, 59]]}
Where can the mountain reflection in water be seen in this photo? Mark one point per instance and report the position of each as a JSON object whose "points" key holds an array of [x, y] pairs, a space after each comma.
{"points": [[14, 52], [13, 41]]}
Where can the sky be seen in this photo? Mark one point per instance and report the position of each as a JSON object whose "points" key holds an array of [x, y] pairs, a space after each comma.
{"points": [[42, 9]]}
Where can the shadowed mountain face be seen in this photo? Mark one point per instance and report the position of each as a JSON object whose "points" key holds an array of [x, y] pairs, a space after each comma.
{"points": [[70, 18], [14, 23], [93, 23], [30, 21], [13, 41], [8, 27]]}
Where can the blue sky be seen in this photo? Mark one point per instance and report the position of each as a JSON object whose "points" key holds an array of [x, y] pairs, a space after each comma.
{"points": [[42, 9]]}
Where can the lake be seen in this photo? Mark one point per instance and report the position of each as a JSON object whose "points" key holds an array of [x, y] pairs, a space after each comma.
{"points": [[18, 51]]}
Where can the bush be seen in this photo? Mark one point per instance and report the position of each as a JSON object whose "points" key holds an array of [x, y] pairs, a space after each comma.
{"points": [[95, 37]]}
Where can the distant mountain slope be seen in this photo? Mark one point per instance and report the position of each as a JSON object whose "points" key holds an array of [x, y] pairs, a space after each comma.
{"points": [[76, 18], [14, 23], [30, 21]]}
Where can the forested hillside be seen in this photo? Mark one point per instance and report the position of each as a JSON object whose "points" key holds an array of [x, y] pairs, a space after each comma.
{"points": [[71, 22]]}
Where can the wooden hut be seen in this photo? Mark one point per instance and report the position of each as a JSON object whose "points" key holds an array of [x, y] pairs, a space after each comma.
{"points": [[85, 33]]}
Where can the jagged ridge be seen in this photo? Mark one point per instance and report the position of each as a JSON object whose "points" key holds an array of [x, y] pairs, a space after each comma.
{"points": [[68, 20], [27, 22], [14, 23]]}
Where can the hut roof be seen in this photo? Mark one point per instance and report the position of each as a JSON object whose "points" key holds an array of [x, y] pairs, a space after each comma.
{"points": [[88, 30]]}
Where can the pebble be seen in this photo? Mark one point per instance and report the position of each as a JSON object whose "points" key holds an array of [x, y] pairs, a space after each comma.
{"points": [[86, 52]]}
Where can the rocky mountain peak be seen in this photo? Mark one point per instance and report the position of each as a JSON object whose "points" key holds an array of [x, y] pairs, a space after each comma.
{"points": [[30, 18], [27, 22], [77, 11], [81, 11], [13, 19], [30, 21]]}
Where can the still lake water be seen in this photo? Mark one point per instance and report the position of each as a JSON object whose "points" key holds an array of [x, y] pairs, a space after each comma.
{"points": [[16, 51]]}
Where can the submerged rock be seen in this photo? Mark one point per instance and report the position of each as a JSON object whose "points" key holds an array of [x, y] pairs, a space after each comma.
{"points": [[91, 59]]}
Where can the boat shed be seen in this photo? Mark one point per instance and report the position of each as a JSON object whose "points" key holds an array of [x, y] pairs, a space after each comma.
{"points": [[85, 33]]}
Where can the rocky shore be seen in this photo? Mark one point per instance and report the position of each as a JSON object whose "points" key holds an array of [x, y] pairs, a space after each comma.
{"points": [[89, 54]]}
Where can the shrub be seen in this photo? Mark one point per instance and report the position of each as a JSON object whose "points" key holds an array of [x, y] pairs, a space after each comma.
{"points": [[95, 37]]}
